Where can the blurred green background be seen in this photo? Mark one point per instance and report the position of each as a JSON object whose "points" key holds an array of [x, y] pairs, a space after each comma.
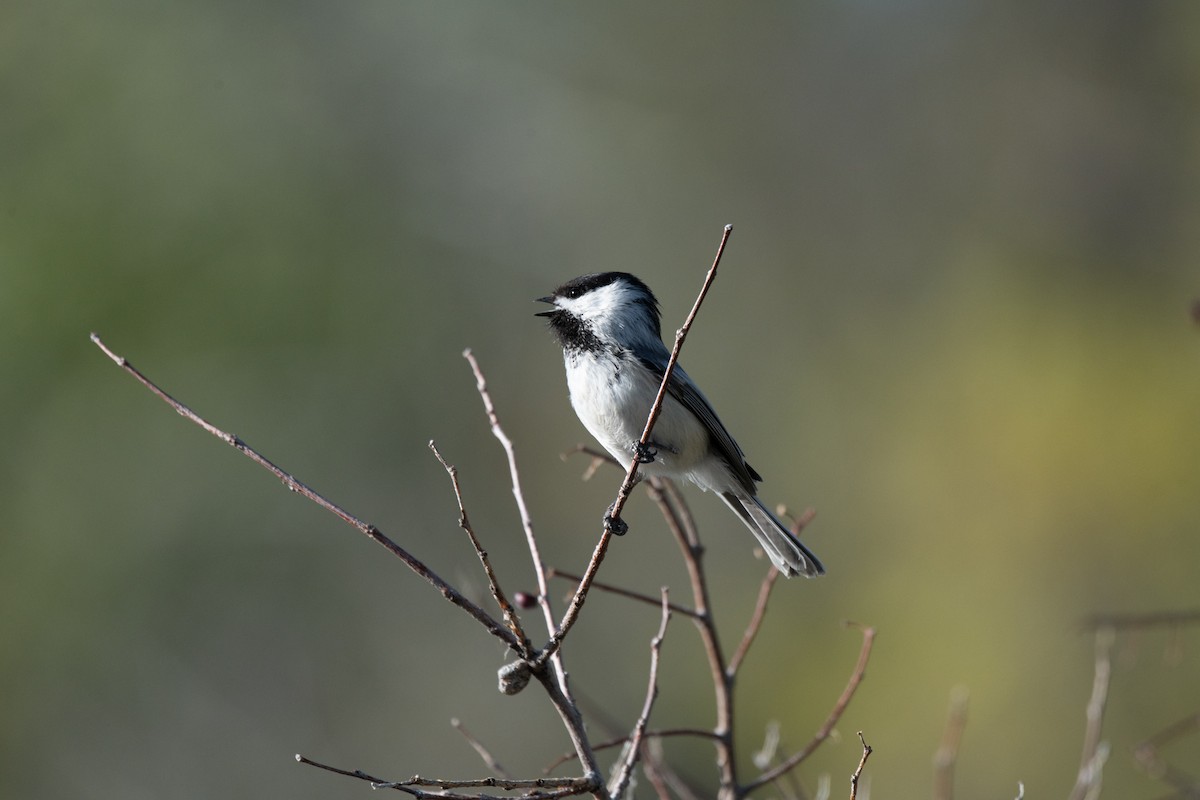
{"points": [[953, 317]]}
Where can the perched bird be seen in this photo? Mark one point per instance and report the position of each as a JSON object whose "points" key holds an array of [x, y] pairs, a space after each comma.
{"points": [[609, 328]]}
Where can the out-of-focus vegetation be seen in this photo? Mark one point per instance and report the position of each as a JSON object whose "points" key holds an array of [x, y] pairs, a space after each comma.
{"points": [[953, 317]]}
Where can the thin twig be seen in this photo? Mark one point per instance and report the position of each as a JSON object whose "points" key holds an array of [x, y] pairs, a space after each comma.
{"points": [[768, 755], [674, 510], [539, 566], [862, 762], [620, 741], [557, 787], [350, 773], [1120, 621], [839, 708], [617, 789], [763, 757], [550, 650], [485, 754], [416, 565], [599, 459], [652, 764], [663, 492], [631, 475], [756, 620], [510, 614], [801, 522], [1092, 761], [469, 783], [652, 756], [577, 601], [683, 514], [946, 756], [617, 590], [666, 777], [1151, 760], [557, 687], [1176, 730]]}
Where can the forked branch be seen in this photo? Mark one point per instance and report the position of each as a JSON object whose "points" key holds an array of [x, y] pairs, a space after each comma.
{"points": [[839, 708], [545, 665], [506, 608], [634, 748], [862, 762], [412, 562]]}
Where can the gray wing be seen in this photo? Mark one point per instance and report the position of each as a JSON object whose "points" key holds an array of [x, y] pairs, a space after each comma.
{"points": [[685, 391]]}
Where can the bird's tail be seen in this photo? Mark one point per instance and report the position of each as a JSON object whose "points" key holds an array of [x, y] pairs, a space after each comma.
{"points": [[785, 550]]}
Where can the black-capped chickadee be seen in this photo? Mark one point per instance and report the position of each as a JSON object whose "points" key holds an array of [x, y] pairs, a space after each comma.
{"points": [[608, 326]]}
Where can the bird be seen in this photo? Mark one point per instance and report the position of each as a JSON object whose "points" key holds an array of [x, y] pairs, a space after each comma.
{"points": [[609, 327]]}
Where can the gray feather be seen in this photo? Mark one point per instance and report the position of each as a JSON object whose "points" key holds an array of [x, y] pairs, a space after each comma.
{"points": [[785, 551], [683, 389]]}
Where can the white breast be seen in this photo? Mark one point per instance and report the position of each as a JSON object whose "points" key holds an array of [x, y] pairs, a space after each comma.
{"points": [[612, 397]]}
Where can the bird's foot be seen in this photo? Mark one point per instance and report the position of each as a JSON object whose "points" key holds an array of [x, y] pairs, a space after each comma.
{"points": [[645, 453], [648, 452], [614, 525]]}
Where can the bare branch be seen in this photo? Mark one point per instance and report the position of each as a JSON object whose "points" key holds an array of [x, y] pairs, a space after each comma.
{"points": [[663, 776], [756, 620], [447, 591], [631, 475], [674, 510], [673, 507], [1121, 621], [557, 787], [764, 594], [653, 768], [683, 514], [558, 687], [1184, 727], [555, 687], [1151, 760], [839, 708], [617, 590], [617, 790], [510, 614], [947, 753], [768, 755], [478, 747], [599, 459], [801, 522], [862, 762], [620, 741], [350, 773], [577, 599], [1094, 754], [539, 566], [498, 783], [763, 757]]}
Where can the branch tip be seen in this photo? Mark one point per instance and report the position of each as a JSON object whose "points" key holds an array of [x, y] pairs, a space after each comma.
{"points": [[866, 753]]}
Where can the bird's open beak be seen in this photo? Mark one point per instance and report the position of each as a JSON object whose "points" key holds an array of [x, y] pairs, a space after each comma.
{"points": [[551, 312]]}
